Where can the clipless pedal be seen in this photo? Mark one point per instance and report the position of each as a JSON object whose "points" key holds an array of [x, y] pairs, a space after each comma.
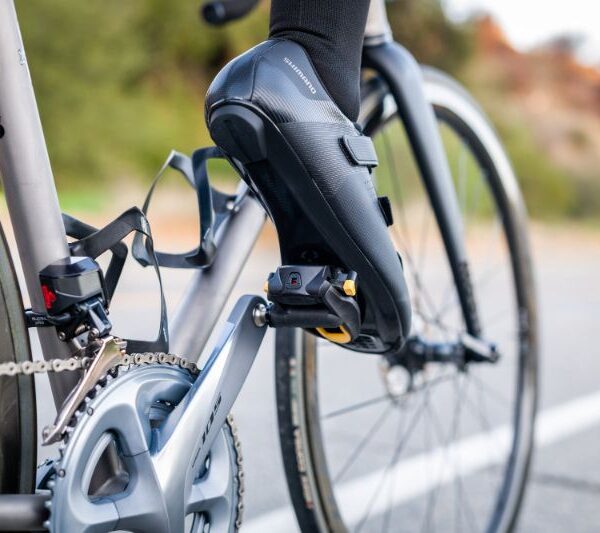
{"points": [[318, 298]]}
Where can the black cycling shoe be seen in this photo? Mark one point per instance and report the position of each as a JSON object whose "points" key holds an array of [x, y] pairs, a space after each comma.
{"points": [[311, 168]]}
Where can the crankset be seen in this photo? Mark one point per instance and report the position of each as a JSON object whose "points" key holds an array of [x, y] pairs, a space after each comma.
{"points": [[146, 441], [119, 422], [175, 460]]}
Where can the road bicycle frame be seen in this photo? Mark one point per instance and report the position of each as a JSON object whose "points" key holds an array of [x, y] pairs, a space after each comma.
{"points": [[39, 231], [40, 234]]}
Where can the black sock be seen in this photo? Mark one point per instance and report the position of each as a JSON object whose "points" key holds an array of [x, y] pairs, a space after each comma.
{"points": [[332, 33]]}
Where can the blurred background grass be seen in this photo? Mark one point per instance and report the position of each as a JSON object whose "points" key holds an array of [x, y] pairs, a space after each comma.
{"points": [[121, 83]]}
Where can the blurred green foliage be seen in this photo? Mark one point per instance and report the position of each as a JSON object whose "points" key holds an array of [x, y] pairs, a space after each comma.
{"points": [[121, 83]]}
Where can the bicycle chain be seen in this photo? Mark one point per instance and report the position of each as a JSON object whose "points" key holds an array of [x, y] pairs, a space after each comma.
{"points": [[128, 360], [28, 368]]}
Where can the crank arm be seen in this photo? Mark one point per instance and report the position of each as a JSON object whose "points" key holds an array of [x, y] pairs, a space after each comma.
{"points": [[198, 418], [111, 351]]}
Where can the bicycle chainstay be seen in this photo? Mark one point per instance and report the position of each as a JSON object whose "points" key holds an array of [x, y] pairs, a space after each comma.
{"points": [[127, 362]]}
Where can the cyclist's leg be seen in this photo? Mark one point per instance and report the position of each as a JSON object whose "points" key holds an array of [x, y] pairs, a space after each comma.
{"points": [[331, 32]]}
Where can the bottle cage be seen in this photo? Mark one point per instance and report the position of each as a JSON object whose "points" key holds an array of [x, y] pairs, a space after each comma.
{"points": [[94, 242], [214, 208]]}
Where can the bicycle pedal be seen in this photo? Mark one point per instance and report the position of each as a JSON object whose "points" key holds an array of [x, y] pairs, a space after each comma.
{"points": [[319, 298]]}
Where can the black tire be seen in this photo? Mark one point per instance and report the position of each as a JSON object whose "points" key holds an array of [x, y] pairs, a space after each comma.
{"points": [[310, 449], [18, 445]]}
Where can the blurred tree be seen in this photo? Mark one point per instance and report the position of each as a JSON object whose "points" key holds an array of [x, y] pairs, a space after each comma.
{"points": [[422, 26], [121, 83], [568, 44]]}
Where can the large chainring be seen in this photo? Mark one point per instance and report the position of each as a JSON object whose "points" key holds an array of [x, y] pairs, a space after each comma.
{"points": [[118, 423]]}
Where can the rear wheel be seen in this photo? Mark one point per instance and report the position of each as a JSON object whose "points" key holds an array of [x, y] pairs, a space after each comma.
{"points": [[369, 445], [17, 396]]}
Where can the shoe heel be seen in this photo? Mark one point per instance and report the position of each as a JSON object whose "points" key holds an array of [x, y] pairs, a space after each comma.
{"points": [[239, 132]]}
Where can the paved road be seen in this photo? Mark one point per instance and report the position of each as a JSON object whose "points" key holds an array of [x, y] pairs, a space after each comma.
{"points": [[565, 485]]}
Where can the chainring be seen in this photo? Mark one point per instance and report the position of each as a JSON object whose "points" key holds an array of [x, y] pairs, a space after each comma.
{"points": [[119, 418]]}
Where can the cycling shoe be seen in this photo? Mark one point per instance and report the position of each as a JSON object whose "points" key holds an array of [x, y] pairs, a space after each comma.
{"points": [[311, 168]]}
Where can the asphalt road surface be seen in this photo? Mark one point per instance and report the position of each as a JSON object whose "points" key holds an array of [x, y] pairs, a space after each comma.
{"points": [[564, 490]]}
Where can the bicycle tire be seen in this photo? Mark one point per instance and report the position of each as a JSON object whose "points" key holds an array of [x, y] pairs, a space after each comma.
{"points": [[310, 484], [18, 442]]}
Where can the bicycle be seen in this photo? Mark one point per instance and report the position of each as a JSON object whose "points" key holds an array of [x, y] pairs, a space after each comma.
{"points": [[145, 435]]}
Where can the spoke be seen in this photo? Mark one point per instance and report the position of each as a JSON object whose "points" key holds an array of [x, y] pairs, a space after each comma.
{"points": [[429, 384], [479, 407], [457, 493], [395, 180], [497, 231], [389, 511], [451, 333], [428, 444], [420, 286], [432, 501], [356, 406], [424, 237], [470, 514], [405, 239], [379, 399], [363, 443], [489, 275], [465, 505], [410, 426], [498, 317], [450, 298], [495, 393], [429, 506]]}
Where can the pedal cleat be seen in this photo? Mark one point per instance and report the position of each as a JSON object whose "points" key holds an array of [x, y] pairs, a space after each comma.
{"points": [[317, 298]]}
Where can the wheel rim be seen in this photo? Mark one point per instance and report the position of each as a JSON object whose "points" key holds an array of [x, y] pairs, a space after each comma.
{"points": [[461, 492]]}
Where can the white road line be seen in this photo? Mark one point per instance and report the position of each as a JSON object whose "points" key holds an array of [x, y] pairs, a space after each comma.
{"points": [[472, 454]]}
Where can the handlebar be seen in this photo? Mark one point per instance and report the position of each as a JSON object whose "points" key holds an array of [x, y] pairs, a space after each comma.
{"points": [[220, 12]]}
